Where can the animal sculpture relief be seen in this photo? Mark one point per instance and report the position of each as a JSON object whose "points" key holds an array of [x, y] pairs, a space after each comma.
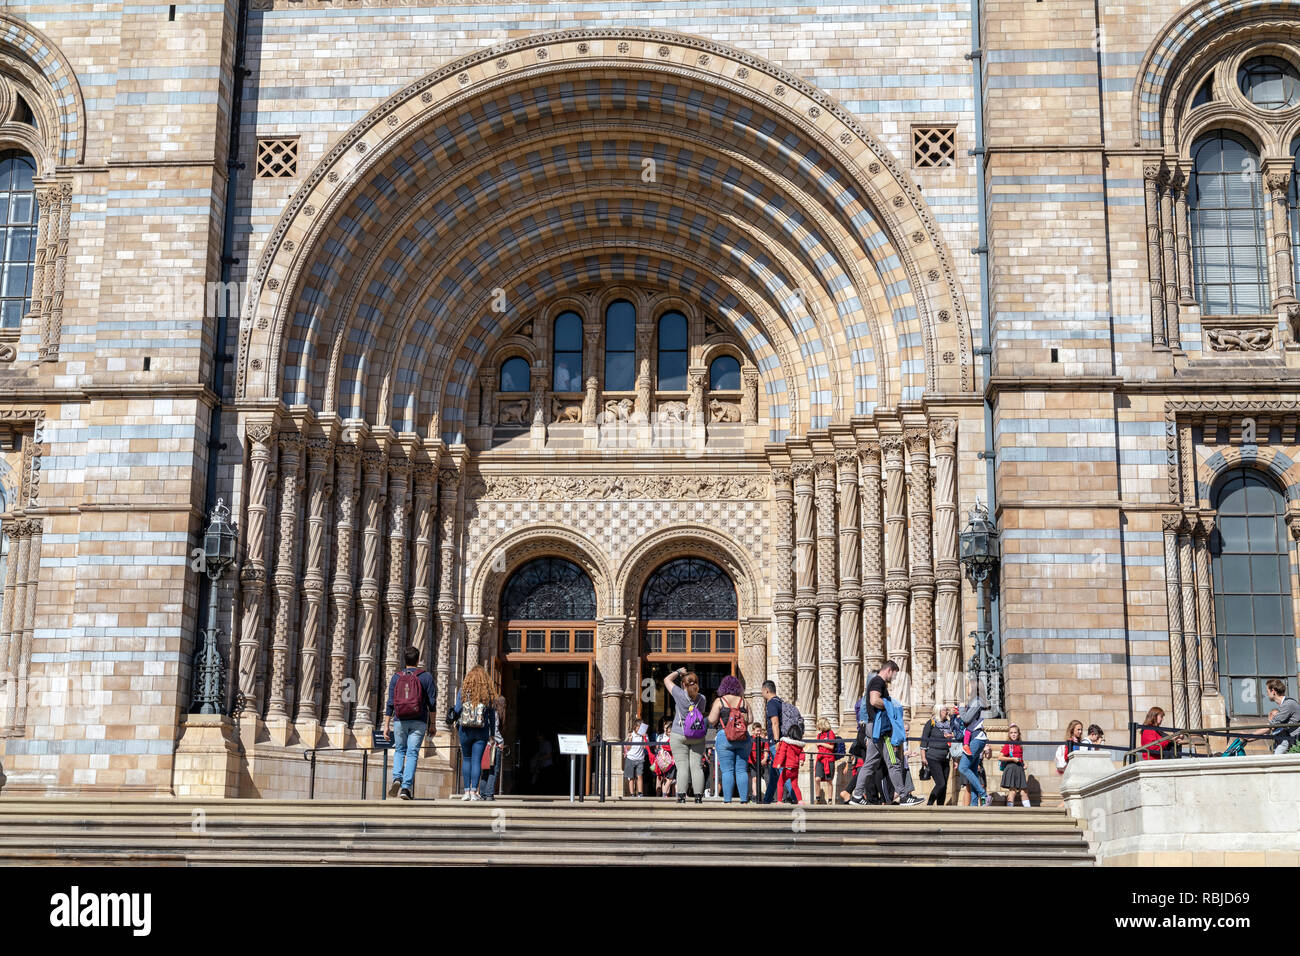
{"points": [[514, 413], [723, 412], [561, 412], [673, 412]]}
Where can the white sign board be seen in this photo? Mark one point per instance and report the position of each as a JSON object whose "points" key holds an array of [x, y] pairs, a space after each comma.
{"points": [[573, 744]]}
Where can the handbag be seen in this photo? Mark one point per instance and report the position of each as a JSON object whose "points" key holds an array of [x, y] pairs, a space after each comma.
{"points": [[925, 771], [489, 757]]}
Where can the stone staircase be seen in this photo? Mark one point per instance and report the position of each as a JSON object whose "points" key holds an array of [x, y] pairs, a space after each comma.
{"points": [[525, 832]]}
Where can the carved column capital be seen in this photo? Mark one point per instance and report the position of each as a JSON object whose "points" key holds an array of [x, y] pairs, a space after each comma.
{"points": [[944, 433], [918, 441]]}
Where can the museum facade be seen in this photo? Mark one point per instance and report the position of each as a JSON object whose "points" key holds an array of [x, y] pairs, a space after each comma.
{"points": [[585, 341]]}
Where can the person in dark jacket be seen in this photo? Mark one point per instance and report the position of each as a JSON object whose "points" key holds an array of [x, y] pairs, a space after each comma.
{"points": [[410, 731], [1285, 711], [936, 738]]}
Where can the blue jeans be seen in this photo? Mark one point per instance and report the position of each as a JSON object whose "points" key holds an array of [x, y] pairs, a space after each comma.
{"points": [[733, 766], [967, 767], [487, 783], [407, 735], [773, 774], [472, 744]]}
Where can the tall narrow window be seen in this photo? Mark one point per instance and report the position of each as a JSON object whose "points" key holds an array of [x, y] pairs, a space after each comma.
{"points": [[18, 215], [1294, 211], [568, 353], [672, 352], [1229, 256], [515, 375], [1252, 591], [724, 374], [620, 346]]}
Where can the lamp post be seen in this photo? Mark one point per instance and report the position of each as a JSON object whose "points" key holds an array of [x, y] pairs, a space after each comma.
{"points": [[979, 556], [218, 555]]}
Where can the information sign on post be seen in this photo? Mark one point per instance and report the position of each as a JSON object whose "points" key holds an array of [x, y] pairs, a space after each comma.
{"points": [[575, 745]]}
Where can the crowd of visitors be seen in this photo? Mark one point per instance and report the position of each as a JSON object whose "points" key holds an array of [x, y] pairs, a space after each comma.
{"points": [[873, 770]]}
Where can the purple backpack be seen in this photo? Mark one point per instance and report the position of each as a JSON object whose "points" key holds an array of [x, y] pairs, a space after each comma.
{"points": [[693, 724]]}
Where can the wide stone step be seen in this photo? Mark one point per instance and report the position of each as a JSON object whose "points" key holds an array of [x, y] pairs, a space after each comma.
{"points": [[524, 832]]}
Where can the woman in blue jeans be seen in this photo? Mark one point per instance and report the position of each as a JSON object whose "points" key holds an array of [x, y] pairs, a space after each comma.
{"points": [[477, 719], [733, 755], [973, 718]]}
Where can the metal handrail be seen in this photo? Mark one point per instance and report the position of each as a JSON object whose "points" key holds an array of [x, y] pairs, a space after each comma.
{"points": [[1173, 734], [309, 754]]}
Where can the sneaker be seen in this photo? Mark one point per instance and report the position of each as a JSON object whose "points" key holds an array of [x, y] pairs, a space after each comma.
{"points": [[858, 802], [404, 794], [911, 800], [475, 795], [395, 786], [465, 795]]}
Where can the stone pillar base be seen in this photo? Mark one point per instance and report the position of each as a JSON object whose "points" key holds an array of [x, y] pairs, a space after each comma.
{"points": [[337, 735], [207, 758], [279, 730], [309, 732], [1214, 711]]}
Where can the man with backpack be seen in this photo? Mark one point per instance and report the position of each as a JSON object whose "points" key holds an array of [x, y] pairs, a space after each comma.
{"points": [[886, 740], [411, 696], [1286, 711]]}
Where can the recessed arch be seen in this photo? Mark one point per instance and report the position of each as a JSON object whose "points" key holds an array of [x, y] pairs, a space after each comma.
{"points": [[685, 541], [863, 197]]}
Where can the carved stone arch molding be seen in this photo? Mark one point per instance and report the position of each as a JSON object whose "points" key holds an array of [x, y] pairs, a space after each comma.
{"points": [[687, 541], [504, 556], [1190, 480], [37, 62], [882, 181], [1174, 61]]}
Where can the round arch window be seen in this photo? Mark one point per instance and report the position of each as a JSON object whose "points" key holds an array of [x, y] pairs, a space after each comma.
{"points": [[1269, 82]]}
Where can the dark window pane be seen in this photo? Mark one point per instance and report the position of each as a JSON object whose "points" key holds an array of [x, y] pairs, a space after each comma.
{"points": [[701, 641], [515, 375], [655, 641], [513, 639], [559, 642], [568, 332], [1241, 655], [583, 641], [568, 372], [548, 589], [724, 374], [620, 326], [672, 331], [1233, 533], [688, 589], [726, 642], [1263, 574], [1270, 655], [1236, 574], [536, 642], [672, 371], [676, 641], [1237, 613], [1262, 533], [1268, 614], [620, 371]]}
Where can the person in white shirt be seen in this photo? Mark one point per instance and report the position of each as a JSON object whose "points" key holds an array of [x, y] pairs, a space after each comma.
{"points": [[634, 762]]}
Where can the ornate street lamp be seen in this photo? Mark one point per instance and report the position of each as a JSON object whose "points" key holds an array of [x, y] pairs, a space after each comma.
{"points": [[218, 555], [980, 558]]}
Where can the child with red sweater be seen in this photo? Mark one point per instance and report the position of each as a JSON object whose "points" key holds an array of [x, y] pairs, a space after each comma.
{"points": [[789, 757]]}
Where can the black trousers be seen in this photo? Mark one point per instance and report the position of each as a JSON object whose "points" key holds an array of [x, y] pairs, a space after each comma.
{"points": [[939, 774]]}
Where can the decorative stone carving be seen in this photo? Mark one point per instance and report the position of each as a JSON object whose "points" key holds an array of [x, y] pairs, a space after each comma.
{"points": [[655, 487], [1240, 340], [721, 411], [345, 478], [513, 412], [590, 401], [286, 574], [562, 412], [618, 411], [697, 381]]}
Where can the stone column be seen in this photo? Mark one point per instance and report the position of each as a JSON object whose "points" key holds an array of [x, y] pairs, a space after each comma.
{"points": [[487, 398], [252, 576], [697, 380], [54, 312], [753, 664], [47, 215], [1191, 633], [339, 694], [320, 458], [922, 572], [595, 368], [782, 585], [31, 573], [473, 642], [850, 596], [8, 528], [805, 594], [1173, 600], [395, 594], [286, 582], [1277, 179], [897, 586], [749, 396], [591, 401], [610, 662], [1168, 268], [1205, 608], [448, 486], [947, 566], [1185, 296], [20, 532], [828, 651], [374, 473], [422, 563], [643, 409], [873, 550], [1151, 181]]}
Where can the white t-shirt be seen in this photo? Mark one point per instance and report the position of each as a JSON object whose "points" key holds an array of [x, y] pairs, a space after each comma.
{"points": [[635, 754]]}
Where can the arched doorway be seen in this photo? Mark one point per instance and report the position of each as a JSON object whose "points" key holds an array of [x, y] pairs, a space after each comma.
{"points": [[688, 618], [546, 658]]}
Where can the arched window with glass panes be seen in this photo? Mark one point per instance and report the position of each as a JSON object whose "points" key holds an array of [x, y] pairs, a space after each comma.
{"points": [[18, 224], [688, 606], [1254, 624], [1226, 206], [548, 606]]}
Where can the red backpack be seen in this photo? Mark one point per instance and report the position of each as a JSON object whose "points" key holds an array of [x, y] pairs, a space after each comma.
{"points": [[408, 695], [736, 727]]}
